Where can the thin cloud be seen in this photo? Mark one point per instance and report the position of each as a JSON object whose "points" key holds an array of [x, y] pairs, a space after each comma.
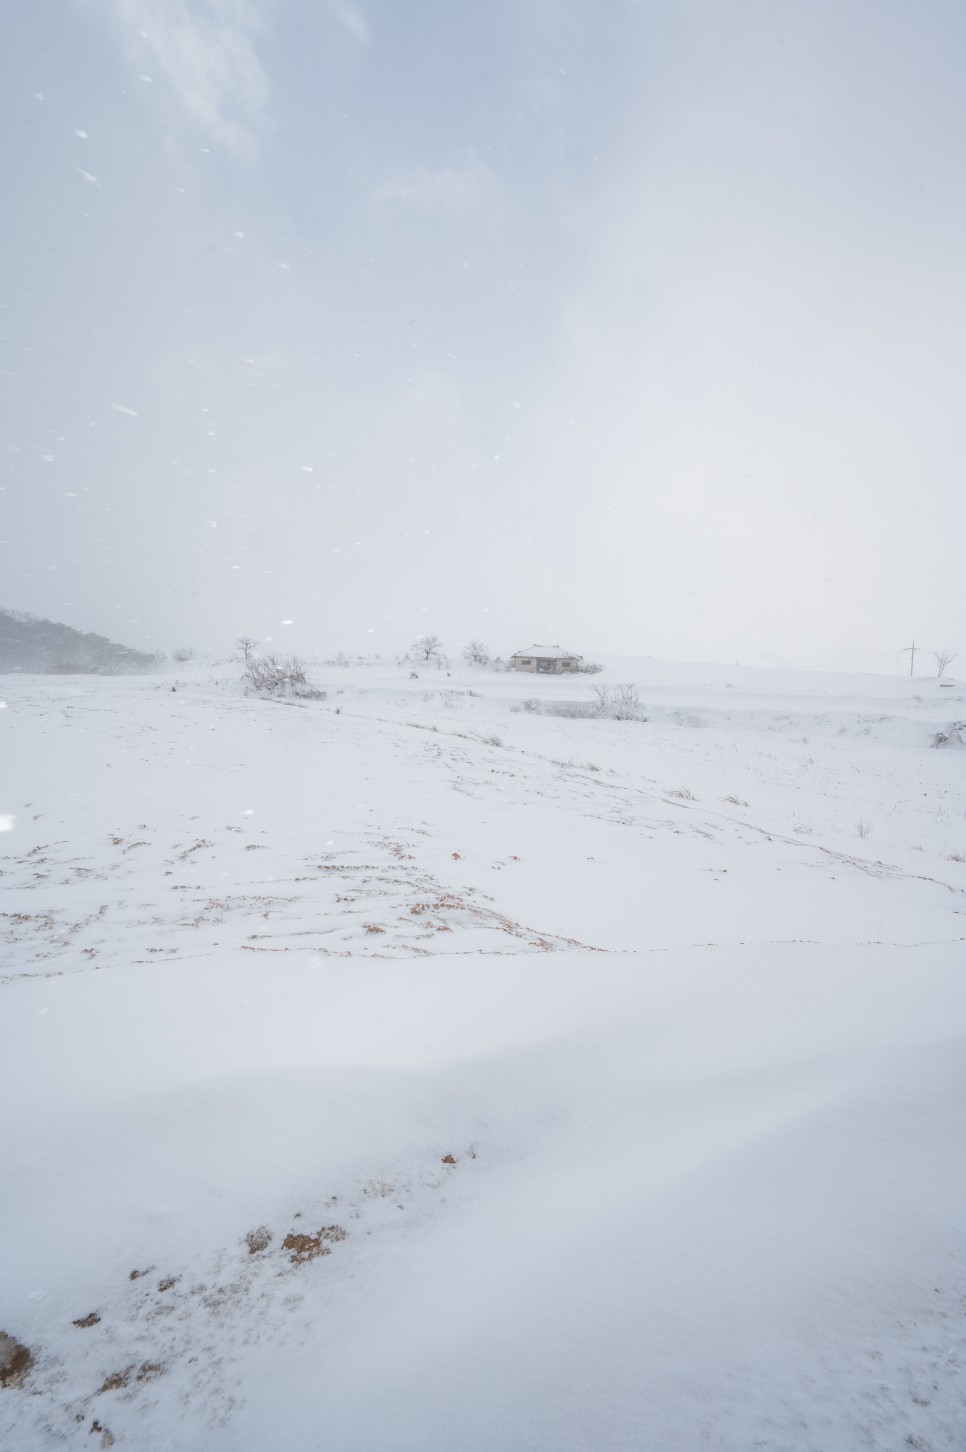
{"points": [[352, 21], [466, 190], [207, 54]]}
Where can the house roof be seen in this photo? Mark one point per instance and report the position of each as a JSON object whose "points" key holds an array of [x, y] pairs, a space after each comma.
{"points": [[546, 652]]}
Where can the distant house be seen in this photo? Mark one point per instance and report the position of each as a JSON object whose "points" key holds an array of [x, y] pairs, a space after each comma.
{"points": [[548, 660]]}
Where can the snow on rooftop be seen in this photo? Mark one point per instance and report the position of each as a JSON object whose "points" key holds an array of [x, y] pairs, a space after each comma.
{"points": [[546, 652]]}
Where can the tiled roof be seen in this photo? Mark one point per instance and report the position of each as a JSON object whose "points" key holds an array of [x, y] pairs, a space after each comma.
{"points": [[546, 652]]}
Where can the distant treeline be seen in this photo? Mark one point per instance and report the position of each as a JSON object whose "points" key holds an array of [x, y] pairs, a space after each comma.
{"points": [[45, 647]]}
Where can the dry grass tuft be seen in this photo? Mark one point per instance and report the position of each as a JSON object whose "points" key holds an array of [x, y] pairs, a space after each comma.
{"points": [[118, 1380], [92, 1319], [15, 1360], [258, 1240], [303, 1248], [150, 1371]]}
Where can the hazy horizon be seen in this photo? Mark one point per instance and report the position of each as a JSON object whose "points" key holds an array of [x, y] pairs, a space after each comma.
{"points": [[637, 329]]}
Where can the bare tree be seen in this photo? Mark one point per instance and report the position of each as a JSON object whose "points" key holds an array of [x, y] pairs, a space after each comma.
{"points": [[183, 653], [627, 703], [603, 694], [943, 659], [427, 647], [476, 653], [246, 646], [618, 703]]}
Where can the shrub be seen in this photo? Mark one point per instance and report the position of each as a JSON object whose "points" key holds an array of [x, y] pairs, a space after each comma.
{"points": [[954, 735], [270, 675], [618, 703], [183, 653]]}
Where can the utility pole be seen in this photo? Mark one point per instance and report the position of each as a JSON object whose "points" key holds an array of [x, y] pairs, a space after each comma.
{"points": [[911, 650]]}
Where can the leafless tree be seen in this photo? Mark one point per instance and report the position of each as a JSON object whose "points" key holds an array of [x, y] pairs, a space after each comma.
{"points": [[943, 659], [603, 694], [246, 646], [183, 653], [627, 703], [476, 653], [618, 703], [427, 647]]}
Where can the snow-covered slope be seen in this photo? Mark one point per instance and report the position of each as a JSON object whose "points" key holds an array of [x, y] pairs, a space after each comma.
{"points": [[415, 1068]]}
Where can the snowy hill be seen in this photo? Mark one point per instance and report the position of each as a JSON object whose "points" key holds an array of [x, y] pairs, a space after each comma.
{"points": [[432, 1065]]}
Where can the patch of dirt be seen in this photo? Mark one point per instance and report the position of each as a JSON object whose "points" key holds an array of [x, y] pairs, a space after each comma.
{"points": [[117, 1380], [90, 1320], [15, 1360], [147, 1371], [258, 1240], [303, 1248]]}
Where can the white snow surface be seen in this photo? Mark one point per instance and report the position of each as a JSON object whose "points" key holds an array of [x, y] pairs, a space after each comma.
{"points": [[620, 1064]]}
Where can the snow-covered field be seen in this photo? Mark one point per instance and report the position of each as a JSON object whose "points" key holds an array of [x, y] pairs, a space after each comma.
{"points": [[408, 1069]]}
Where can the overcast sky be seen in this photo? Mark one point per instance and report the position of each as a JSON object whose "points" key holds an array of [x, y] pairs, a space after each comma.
{"points": [[637, 325]]}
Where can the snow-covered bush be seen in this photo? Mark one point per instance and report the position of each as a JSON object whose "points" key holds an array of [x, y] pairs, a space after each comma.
{"points": [[270, 675], [954, 735], [619, 703]]}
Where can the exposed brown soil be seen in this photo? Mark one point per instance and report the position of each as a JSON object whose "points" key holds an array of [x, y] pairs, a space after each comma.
{"points": [[147, 1371], [15, 1360], [303, 1248], [90, 1320], [117, 1380], [258, 1240]]}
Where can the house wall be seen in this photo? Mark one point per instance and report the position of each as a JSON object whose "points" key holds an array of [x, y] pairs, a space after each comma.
{"points": [[529, 663]]}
